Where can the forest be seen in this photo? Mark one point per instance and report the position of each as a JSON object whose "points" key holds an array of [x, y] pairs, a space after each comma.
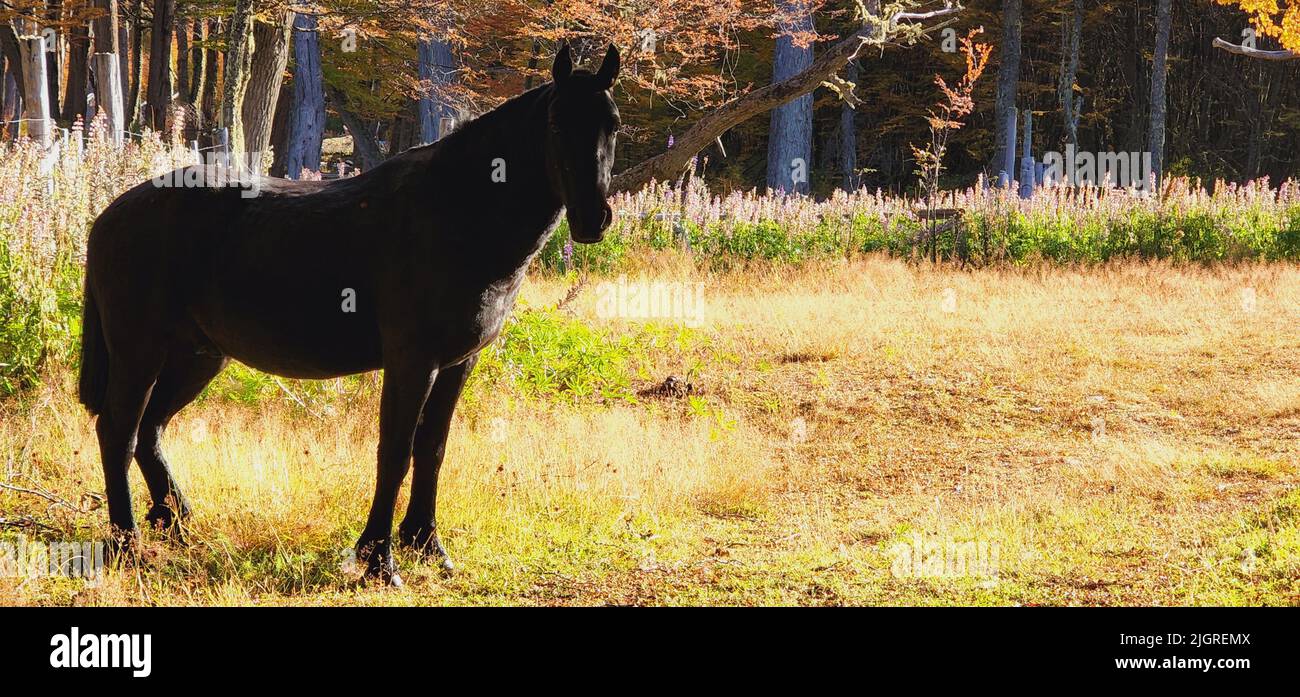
{"points": [[282, 77]]}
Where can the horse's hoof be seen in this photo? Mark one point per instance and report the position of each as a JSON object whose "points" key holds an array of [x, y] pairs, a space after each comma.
{"points": [[380, 565], [386, 575], [425, 542]]}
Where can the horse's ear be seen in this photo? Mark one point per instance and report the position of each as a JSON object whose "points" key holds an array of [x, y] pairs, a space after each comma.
{"points": [[563, 66], [608, 68]]}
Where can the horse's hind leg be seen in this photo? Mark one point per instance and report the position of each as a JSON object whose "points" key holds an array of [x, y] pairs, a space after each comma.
{"points": [[130, 383], [183, 377]]}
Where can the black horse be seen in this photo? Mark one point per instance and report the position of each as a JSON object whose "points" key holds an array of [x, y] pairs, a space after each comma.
{"points": [[411, 267]]}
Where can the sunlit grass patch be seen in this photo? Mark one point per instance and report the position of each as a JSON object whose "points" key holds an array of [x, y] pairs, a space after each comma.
{"points": [[1235, 466], [1255, 560], [1123, 434]]}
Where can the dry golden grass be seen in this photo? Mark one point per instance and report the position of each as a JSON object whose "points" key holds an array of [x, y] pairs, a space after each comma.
{"points": [[1115, 435]]}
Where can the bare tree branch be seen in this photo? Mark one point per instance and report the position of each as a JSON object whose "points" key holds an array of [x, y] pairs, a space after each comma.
{"points": [[668, 165], [1282, 55]]}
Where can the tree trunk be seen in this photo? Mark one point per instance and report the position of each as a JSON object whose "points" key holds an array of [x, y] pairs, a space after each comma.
{"points": [[14, 59], [36, 105], [1071, 104], [437, 70], [13, 82], [106, 31], [13, 107], [667, 165], [306, 128], [270, 58], [74, 101], [108, 93], [105, 27], [124, 58], [789, 140], [211, 75], [280, 130], [198, 73], [159, 98], [136, 71], [534, 57], [54, 59], [849, 136], [1136, 75], [239, 63], [4, 101], [182, 60], [1159, 73], [365, 150], [404, 129], [198, 64], [1008, 81]]}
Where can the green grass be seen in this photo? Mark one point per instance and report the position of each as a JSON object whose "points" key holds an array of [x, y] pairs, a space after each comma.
{"points": [[1256, 560]]}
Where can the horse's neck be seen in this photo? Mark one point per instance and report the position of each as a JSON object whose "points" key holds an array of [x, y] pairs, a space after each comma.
{"points": [[497, 169]]}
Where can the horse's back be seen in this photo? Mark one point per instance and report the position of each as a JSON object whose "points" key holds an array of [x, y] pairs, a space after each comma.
{"points": [[152, 252]]}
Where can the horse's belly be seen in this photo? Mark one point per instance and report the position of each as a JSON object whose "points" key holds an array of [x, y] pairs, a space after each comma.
{"points": [[307, 367], [459, 349], [295, 332]]}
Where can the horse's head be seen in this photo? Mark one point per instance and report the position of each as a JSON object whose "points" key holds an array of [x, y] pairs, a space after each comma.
{"points": [[582, 121]]}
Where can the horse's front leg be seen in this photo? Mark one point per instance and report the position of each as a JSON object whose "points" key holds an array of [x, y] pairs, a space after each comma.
{"points": [[407, 381], [419, 529]]}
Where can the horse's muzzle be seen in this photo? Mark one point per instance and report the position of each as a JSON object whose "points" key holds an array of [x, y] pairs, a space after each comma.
{"points": [[591, 229]]}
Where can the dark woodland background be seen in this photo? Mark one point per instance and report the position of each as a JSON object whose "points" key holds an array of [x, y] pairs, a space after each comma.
{"points": [[1228, 116]]}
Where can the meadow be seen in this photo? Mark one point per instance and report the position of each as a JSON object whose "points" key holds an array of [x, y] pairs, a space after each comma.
{"points": [[1090, 399]]}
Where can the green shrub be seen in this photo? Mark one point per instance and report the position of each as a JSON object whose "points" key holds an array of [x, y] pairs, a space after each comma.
{"points": [[541, 353], [40, 314], [1287, 244]]}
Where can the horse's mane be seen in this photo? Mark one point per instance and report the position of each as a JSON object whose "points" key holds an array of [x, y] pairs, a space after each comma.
{"points": [[470, 132], [469, 139]]}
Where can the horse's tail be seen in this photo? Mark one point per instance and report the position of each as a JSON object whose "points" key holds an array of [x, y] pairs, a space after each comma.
{"points": [[94, 355]]}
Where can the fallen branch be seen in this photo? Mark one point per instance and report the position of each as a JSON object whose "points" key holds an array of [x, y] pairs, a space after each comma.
{"points": [[52, 498], [43, 494], [26, 523]]}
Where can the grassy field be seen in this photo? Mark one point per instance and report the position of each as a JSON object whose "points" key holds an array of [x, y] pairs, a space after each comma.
{"points": [[856, 432]]}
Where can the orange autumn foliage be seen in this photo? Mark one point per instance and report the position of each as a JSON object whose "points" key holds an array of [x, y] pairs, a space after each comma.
{"points": [[1276, 19]]}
